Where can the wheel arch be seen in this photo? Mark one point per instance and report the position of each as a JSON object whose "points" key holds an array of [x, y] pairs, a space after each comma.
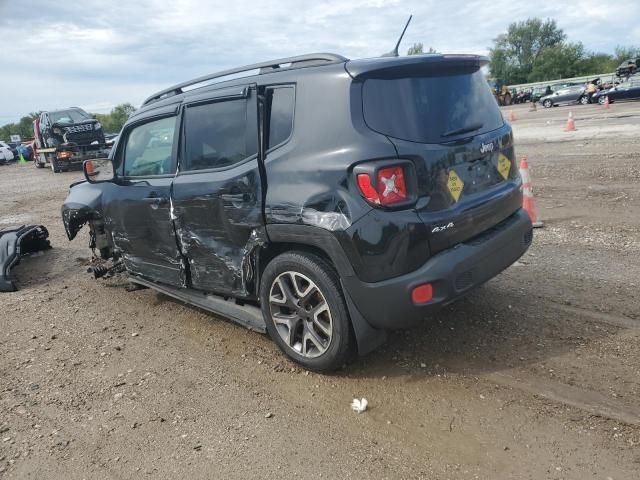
{"points": [[286, 237], [323, 243]]}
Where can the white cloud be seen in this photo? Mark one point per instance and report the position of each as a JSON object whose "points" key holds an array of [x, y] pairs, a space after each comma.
{"points": [[96, 55]]}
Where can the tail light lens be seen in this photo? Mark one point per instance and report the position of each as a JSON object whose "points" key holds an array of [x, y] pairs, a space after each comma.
{"points": [[64, 155], [387, 183]]}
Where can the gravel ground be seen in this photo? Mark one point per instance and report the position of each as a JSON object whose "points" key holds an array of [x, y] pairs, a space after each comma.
{"points": [[534, 375]]}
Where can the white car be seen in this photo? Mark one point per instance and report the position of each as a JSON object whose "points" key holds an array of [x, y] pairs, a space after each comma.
{"points": [[6, 155]]}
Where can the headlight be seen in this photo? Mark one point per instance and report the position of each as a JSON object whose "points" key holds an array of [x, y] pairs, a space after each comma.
{"points": [[97, 126], [58, 131]]}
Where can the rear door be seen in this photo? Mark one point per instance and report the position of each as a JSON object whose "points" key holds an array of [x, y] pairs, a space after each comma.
{"points": [[217, 194], [138, 210], [449, 125]]}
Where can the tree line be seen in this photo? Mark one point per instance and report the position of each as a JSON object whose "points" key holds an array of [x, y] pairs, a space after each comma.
{"points": [[112, 122], [535, 51]]}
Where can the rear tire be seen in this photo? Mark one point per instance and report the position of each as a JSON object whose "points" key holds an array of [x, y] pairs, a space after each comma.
{"points": [[305, 311], [54, 165], [602, 99], [547, 104], [584, 100], [39, 160]]}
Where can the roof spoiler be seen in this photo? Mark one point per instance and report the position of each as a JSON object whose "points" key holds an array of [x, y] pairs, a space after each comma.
{"points": [[411, 64]]}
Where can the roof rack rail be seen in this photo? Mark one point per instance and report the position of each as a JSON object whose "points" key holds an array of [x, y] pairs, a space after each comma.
{"points": [[264, 67]]}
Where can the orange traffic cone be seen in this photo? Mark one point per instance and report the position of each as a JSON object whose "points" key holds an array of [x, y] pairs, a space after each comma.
{"points": [[606, 102], [571, 124], [528, 202], [511, 116]]}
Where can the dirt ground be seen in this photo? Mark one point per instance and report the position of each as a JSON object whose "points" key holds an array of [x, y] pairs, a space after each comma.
{"points": [[535, 375]]}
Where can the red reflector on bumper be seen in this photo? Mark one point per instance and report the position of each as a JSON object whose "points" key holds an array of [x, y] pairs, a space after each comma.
{"points": [[422, 294]]}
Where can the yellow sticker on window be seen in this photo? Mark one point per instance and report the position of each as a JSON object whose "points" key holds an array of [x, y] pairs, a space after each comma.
{"points": [[504, 165], [455, 185]]}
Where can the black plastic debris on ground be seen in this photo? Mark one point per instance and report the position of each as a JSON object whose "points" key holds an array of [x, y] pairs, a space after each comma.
{"points": [[16, 242]]}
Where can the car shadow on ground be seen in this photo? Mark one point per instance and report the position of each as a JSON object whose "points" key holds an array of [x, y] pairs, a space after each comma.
{"points": [[488, 330]]}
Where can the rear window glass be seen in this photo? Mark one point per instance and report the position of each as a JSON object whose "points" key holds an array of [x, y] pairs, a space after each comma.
{"points": [[281, 101], [431, 109]]}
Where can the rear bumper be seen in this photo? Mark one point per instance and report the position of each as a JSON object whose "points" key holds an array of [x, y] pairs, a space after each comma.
{"points": [[16, 242], [452, 273]]}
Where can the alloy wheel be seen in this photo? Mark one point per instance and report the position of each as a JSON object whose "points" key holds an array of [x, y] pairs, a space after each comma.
{"points": [[301, 314]]}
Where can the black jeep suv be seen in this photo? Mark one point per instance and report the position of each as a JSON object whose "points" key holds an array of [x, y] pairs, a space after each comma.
{"points": [[65, 138], [320, 199]]}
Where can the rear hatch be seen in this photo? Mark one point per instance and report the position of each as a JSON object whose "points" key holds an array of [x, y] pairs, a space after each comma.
{"points": [[439, 113]]}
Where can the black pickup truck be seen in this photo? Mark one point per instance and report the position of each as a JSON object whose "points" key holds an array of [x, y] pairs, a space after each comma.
{"points": [[66, 138]]}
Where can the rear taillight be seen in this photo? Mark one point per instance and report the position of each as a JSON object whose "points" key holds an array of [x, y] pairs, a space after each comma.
{"points": [[386, 184]]}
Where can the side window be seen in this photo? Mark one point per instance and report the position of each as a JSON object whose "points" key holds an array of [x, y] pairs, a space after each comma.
{"points": [[280, 106], [149, 147], [218, 135]]}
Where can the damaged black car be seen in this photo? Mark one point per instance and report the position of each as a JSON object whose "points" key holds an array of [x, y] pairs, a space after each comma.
{"points": [[319, 199], [66, 138]]}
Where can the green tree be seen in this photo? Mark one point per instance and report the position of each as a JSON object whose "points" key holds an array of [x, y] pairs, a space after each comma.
{"points": [[113, 121], [625, 53], [514, 53], [559, 61], [24, 127], [418, 48]]}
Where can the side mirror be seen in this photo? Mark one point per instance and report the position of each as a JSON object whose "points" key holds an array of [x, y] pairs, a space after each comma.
{"points": [[98, 170]]}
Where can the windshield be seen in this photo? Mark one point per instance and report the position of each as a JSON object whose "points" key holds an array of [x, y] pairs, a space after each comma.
{"points": [[69, 116], [431, 109]]}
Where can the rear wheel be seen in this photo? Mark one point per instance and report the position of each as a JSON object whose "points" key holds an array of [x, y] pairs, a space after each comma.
{"points": [[54, 165], [39, 160], [547, 104], [602, 99], [584, 100], [305, 311]]}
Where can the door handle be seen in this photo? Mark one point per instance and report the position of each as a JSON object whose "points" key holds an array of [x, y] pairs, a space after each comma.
{"points": [[235, 197]]}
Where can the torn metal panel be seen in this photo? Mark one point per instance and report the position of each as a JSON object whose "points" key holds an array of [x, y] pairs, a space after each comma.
{"points": [[83, 204], [17, 242], [332, 221], [138, 219], [219, 225]]}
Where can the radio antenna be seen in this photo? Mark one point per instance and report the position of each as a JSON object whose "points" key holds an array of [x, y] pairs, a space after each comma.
{"points": [[394, 52]]}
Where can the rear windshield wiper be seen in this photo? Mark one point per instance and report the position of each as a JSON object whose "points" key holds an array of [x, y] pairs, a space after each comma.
{"points": [[467, 129]]}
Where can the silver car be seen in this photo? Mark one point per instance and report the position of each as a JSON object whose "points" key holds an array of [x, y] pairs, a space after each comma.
{"points": [[566, 95]]}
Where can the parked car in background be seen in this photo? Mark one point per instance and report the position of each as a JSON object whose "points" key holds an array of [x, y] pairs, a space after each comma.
{"points": [[537, 93], [522, 96], [628, 67], [629, 90], [6, 153], [14, 148], [65, 138], [566, 95]]}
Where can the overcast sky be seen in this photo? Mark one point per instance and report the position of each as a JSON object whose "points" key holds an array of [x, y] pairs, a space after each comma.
{"points": [[90, 54]]}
